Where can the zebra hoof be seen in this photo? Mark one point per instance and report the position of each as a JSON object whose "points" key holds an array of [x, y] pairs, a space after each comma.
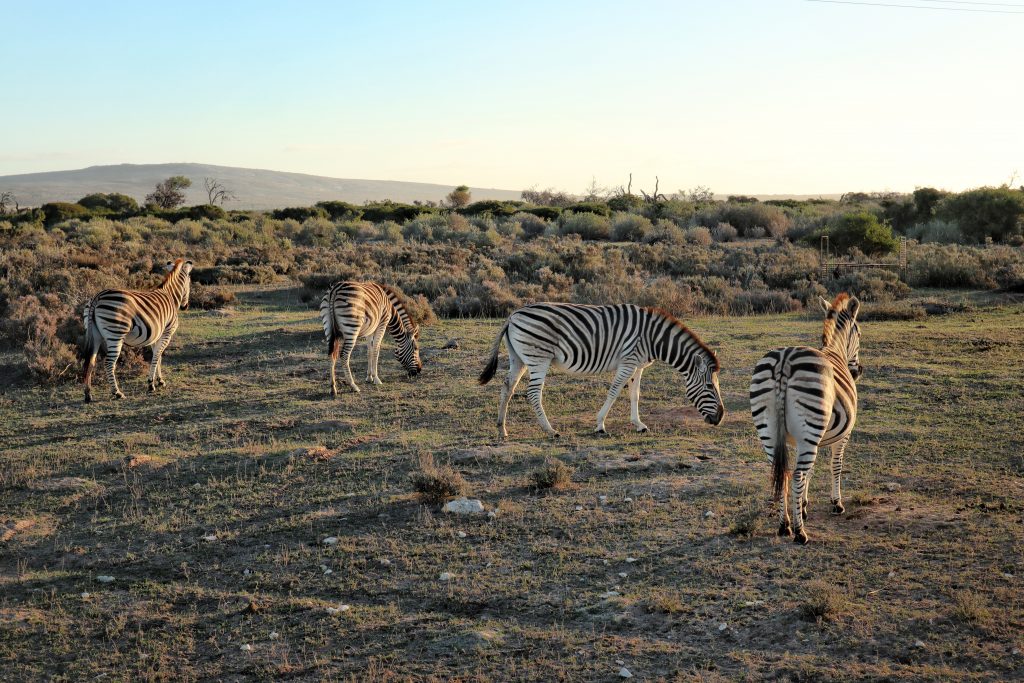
{"points": [[118, 396], [801, 537], [88, 397], [838, 509], [599, 430], [785, 530], [151, 388], [161, 383], [642, 430]]}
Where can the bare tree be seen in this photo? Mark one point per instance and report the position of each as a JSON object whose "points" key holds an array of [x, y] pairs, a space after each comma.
{"points": [[216, 192], [698, 195], [6, 198], [548, 197], [655, 196], [594, 192]]}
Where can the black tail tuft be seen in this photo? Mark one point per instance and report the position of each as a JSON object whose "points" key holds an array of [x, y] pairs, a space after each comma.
{"points": [[492, 367], [780, 458]]}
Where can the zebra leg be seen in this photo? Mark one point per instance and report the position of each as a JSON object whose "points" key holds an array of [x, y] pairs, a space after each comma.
{"points": [[804, 502], [801, 477], [535, 394], [634, 401], [516, 369], [621, 377], [113, 353], [374, 355], [346, 356], [90, 365], [838, 449], [785, 527], [156, 378]]}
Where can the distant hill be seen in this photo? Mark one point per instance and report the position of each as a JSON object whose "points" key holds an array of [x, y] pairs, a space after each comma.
{"points": [[254, 188]]}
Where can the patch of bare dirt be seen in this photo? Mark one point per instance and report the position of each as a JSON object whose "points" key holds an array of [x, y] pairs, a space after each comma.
{"points": [[68, 484]]}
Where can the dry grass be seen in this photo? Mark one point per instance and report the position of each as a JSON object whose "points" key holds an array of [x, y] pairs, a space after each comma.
{"points": [[436, 483], [553, 475]]}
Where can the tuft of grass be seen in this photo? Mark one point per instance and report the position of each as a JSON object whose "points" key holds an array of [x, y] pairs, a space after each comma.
{"points": [[553, 475], [824, 602], [892, 310], [749, 521], [970, 607], [436, 483]]}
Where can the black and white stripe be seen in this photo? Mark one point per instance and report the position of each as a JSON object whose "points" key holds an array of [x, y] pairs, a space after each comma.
{"points": [[582, 339], [351, 310], [808, 397], [117, 317]]}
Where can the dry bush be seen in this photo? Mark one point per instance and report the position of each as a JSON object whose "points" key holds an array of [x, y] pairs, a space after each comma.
{"points": [[749, 521], [553, 475], [970, 607], [723, 232], [436, 483], [208, 298], [420, 311], [892, 311], [824, 602]]}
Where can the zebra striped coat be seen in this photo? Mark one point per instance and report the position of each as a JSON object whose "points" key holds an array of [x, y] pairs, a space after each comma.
{"points": [[582, 339], [115, 318], [808, 397], [352, 310]]}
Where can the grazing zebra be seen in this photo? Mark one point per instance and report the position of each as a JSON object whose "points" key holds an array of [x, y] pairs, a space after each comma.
{"points": [[811, 396], [593, 339], [116, 317], [351, 310]]}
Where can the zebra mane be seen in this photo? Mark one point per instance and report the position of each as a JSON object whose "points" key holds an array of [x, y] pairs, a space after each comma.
{"points": [[399, 305], [178, 263], [833, 317], [687, 331]]}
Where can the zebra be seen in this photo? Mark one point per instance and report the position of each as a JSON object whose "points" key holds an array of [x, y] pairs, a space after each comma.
{"points": [[351, 310], [811, 397], [583, 339], [118, 317]]}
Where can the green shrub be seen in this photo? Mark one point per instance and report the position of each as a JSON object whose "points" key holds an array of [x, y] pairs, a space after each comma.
{"points": [[871, 285], [625, 202], [113, 202], [299, 213], [491, 207], [58, 212], [589, 226], [548, 213], [995, 212], [599, 208], [378, 212], [934, 265], [860, 230], [630, 227], [341, 211]]}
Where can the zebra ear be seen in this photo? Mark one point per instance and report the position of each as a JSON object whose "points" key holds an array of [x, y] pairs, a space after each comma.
{"points": [[187, 267], [169, 266], [853, 306], [826, 305]]}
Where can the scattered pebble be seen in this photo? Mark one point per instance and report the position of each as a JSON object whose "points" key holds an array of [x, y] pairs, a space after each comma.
{"points": [[326, 570], [247, 648], [891, 575], [331, 540], [753, 603], [338, 610], [1015, 651], [620, 662], [105, 579], [246, 572], [85, 595], [1008, 575], [631, 560], [274, 635], [723, 626], [492, 514], [603, 499], [579, 508], [627, 500], [623, 575], [445, 576], [625, 673], [918, 643], [610, 594], [210, 538], [385, 562], [709, 514], [461, 534], [605, 562]]}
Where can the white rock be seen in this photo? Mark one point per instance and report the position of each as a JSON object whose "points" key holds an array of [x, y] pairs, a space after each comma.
{"points": [[461, 534], [492, 514], [723, 626], [331, 540], [464, 506], [1015, 651], [891, 487], [210, 538], [709, 514], [85, 595], [631, 560], [623, 575], [105, 579], [891, 575], [247, 648], [603, 499], [627, 500], [445, 576], [385, 562], [328, 572], [246, 572], [753, 603], [579, 508], [610, 594], [338, 610], [918, 643], [605, 562], [620, 662], [274, 635], [625, 673]]}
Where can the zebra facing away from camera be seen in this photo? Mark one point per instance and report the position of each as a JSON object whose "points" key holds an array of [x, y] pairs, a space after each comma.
{"points": [[351, 310], [808, 397], [115, 318], [582, 339]]}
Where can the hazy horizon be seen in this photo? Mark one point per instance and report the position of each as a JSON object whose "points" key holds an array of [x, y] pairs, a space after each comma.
{"points": [[758, 98]]}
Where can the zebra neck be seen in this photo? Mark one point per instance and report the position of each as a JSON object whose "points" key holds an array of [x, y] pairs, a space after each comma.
{"points": [[669, 344], [399, 324], [175, 285]]}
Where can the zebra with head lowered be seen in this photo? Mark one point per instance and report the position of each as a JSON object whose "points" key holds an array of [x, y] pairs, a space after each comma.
{"points": [[118, 317], [351, 310], [583, 339], [809, 397]]}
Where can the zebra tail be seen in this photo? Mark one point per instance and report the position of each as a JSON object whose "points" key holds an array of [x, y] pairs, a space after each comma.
{"points": [[492, 365], [92, 335], [330, 326], [780, 458]]}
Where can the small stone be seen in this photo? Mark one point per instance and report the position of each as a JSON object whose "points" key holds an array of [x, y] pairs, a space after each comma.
{"points": [[723, 626], [625, 673], [246, 572], [492, 514], [105, 579], [627, 500], [461, 534], [579, 508], [709, 514], [753, 603], [605, 562], [1015, 651], [445, 576], [385, 562], [247, 648], [620, 662], [331, 540], [919, 643], [85, 595], [210, 538], [274, 635], [464, 506], [623, 575], [631, 560], [891, 487], [610, 594], [338, 610], [603, 499], [891, 575]]}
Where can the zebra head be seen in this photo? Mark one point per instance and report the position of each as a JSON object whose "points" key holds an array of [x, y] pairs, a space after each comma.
{"points": [[183, 282], [844, 329], [702, 389], [408, 351]]}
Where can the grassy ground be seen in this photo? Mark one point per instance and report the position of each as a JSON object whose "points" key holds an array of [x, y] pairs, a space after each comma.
{"points": [[209, 503]]}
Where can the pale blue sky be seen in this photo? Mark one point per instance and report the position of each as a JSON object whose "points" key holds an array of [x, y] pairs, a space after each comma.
{"points": [[766, 96]]}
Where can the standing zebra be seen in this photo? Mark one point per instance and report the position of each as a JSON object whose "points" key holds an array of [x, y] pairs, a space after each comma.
{"points": [[116, 317], [592, 339], [351, 310], [811, 396]]}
